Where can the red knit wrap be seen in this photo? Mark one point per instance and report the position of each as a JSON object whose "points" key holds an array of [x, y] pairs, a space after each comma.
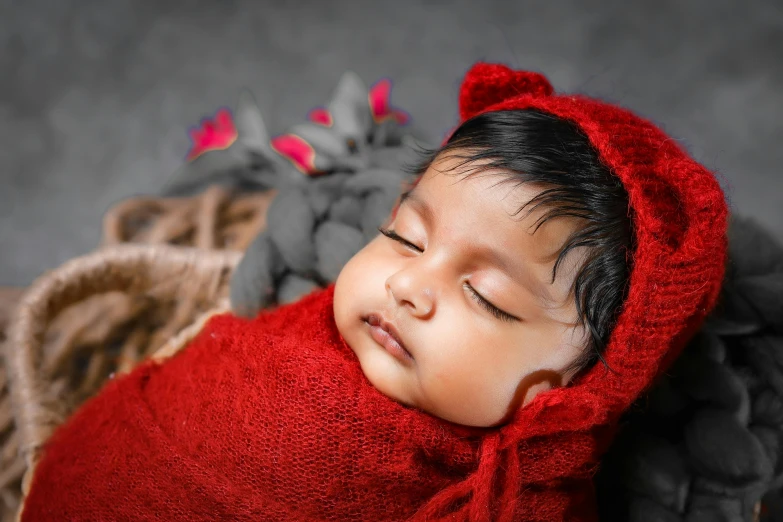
{"points": [[272, 419]]}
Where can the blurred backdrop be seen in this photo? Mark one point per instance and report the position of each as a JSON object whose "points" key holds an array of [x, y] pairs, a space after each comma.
{"points": [[96, 95]]}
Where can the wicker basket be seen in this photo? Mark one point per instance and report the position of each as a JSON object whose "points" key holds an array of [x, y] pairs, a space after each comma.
{"points": [[217, 218], [102, 313]]}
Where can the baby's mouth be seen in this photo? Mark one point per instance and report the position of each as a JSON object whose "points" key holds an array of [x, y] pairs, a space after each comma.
{"points": [[385, 334]]}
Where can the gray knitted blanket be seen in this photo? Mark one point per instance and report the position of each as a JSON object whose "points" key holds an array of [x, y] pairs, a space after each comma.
{"points": [[703, 445]]}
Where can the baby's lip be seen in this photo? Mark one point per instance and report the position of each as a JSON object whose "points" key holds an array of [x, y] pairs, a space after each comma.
{"points": [[378, 320]]}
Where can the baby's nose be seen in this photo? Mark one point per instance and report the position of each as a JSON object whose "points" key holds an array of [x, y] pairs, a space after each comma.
{"points": [[419, 299]]}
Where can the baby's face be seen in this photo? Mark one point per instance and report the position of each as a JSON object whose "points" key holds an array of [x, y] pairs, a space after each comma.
{"points": [[463, 363]]}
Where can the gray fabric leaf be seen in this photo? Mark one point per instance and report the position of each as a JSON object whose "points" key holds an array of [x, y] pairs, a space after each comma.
{"points": [[352, 163], [335, 244], [389, 132], [350, 110], [377, 207], [290, 221], [766, 294], [293, 287], [289, 176], [770, 441], [733, 315], [319, 201], [752, 249], [721, 448], [709, 345], [763, 354], [250, 126], [656, 470], [375, 179], [323, 139], [712, 508], [643, 509], [207, 169], [768, 409], [252, 283], [751, 379], [723, 488], [710, 381], [331, 184], [323, 163], [347, 210], [392, 158], [666, 400], [322, 191]]}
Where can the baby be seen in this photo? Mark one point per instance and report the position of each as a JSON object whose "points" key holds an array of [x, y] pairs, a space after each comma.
{"points": [[450, 371], [498, 277]]}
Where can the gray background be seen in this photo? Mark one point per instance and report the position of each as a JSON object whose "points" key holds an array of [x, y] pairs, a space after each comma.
{"points": [[96, 95]]}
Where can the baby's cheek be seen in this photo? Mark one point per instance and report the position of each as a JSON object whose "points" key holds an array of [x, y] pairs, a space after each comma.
{"points": [[361, 281], [361, 271], [356, 267], [449, 378]]}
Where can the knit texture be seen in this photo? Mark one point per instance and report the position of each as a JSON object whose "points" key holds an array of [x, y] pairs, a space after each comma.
{"points": [[255, 420], [272, 418]]}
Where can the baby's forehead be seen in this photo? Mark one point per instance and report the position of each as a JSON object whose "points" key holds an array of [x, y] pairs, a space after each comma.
{"points": [[452, 183], [532, 232], [495, 211]]}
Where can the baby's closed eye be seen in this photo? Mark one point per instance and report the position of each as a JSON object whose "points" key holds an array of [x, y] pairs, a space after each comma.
{"points": [[476, 296]]}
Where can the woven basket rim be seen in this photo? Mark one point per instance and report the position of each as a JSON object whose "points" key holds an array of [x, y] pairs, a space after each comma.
{"points": [[133, 268]]}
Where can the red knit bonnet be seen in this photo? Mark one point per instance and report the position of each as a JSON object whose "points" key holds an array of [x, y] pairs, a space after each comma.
{"points": [[680, 220]]}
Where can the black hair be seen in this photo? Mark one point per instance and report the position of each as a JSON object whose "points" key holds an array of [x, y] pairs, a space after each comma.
{"points": [[530, 146]]}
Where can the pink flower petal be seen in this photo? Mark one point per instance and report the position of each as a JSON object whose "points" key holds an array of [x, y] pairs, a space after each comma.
{"points": [[379, 99], [297, 150], [321, 116], [401, 116], [216, 134]]}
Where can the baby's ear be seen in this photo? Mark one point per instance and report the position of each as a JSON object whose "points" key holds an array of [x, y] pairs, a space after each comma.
{"points": [[487, 84], [534, 384]]}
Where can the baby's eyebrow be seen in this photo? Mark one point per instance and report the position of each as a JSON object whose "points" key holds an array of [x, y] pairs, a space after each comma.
{"points": [[410, 196], [532, 284]]}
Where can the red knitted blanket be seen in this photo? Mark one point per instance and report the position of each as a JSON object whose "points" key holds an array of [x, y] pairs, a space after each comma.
{"points": [[265, 419]]}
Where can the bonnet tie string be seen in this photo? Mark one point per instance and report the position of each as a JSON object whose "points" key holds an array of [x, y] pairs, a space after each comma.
{"points": [[479, 485], [512, 484], [483, 480]]}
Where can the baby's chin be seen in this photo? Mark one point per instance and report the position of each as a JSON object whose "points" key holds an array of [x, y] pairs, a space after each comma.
{"points": [[382, 370]]}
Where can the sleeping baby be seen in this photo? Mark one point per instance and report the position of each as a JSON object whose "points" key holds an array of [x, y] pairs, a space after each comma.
{"points": [[470, 363]]}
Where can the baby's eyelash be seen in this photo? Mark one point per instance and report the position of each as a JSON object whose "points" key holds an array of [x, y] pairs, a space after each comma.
{"points": [[489, 307], [391, 234]]}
